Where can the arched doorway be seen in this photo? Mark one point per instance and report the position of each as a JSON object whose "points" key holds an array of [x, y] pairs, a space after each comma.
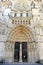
{"points": [[20, 46]]}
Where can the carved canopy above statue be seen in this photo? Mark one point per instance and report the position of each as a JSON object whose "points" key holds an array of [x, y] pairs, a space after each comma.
{"points": [[22, 5]]}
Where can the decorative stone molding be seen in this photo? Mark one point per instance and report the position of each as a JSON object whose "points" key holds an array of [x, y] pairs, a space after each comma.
{"points": [[37, 0]]}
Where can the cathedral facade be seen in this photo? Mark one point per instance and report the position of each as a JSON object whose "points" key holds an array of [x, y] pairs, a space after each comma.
{"points": [[21, 31]]}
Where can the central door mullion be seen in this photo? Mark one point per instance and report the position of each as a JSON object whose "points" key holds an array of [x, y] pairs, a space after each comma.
{"points": [[20, 60]]}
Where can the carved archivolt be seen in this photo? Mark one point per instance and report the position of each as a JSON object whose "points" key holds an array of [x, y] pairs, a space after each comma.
{"points": [[19, 33]]}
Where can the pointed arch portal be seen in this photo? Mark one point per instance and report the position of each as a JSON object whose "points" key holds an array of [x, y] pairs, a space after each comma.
{"points": [[20, 45]]}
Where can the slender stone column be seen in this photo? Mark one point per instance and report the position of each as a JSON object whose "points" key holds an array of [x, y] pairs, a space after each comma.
{"points": [[20, 60], [28, 51]]}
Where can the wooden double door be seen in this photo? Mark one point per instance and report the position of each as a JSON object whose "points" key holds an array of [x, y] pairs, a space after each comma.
{"points": [[17, 51]]}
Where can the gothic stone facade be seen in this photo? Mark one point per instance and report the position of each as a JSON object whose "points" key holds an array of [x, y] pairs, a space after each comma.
{"points": [[21, 22]]}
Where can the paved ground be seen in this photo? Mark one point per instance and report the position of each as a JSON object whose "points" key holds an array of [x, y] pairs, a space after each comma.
{"points": [[19, 64]]}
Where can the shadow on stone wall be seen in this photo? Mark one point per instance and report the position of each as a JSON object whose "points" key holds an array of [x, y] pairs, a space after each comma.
{"points": [[2, 61]]}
